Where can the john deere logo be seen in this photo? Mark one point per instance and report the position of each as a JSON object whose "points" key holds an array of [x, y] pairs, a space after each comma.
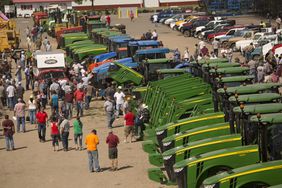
{"points": [[51, 61]]}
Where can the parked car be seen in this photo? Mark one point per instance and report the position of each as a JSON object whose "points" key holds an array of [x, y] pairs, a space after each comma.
{"points": [[188, 29], [175, 18], [212, 25], [223, 39]]}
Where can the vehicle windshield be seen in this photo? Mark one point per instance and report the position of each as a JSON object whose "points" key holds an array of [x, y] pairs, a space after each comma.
{"points": [[231, 32], [274, 133], [53, 75], [238, 33], [209, 25], [256, 37], [247, 35], [139, 58], [154, 67], [217, 29]]}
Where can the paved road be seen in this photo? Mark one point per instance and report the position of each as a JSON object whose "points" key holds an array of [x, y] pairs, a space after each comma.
{"points": [[35, 164]]}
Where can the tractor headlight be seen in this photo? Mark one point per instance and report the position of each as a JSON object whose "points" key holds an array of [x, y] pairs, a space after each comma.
{"points": [[166, 143], [160, 132], [210, 186], [167, 157], [177, 170]]}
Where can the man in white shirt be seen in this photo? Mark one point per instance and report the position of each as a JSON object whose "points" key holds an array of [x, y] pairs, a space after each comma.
{"points": [[119, 98], [155, 19], [55, 87], [76, 68], [11, 90]]}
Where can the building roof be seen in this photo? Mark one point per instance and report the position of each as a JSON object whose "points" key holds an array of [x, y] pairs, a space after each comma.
{"points": [[40, 1]]}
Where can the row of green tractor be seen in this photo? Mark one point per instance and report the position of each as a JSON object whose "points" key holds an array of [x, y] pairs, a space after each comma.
{"points": [[210, 127], [214, 128]]}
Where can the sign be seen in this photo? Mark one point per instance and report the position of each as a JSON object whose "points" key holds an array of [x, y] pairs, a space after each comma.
{"points": [[50, 60]]}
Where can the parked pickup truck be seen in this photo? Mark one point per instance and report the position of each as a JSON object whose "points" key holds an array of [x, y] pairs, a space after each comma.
{"points": [[241, 44], [223, 31], [246, 35], [223, 39]]}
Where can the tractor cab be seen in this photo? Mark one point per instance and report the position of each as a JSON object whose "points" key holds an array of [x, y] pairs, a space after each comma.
{"points": [[70, 38], [133, 46], [243, 113], [233, 81], [237, 100], [119, 44], [94, 22], [223, 94], [196, 66], [82, 53], [208, 66], [151, 60], [263, 174], [95, 33]]}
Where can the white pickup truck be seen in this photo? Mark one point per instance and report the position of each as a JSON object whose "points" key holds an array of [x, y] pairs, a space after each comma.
{"points": [[257, 38]]}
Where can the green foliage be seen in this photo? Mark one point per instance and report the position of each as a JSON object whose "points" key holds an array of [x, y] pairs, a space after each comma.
{"points": [[78, 1]]}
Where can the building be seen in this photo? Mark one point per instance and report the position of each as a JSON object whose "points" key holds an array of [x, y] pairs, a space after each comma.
{"points": [[27, 7], [111, 4]]}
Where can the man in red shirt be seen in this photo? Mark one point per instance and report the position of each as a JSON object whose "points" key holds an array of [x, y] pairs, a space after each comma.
{"points": [[41, 118], [129, 125], [79, 96], [113, 141]]}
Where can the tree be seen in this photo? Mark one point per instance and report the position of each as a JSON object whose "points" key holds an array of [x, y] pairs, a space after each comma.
{"points": [[78, 1], [92, 3], [4, 2]]}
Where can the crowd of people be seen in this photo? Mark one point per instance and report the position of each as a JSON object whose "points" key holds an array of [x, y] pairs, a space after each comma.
{"points": [[58, 105]]}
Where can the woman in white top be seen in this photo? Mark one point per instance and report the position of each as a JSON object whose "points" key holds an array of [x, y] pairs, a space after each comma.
{"points": [[32, 110]]}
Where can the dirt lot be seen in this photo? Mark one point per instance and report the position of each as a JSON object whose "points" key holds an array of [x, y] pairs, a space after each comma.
{"points": [[34, 164]]}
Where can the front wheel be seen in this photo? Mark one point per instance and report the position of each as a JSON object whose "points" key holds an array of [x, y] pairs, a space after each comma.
{"points": [[187, 33]]}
